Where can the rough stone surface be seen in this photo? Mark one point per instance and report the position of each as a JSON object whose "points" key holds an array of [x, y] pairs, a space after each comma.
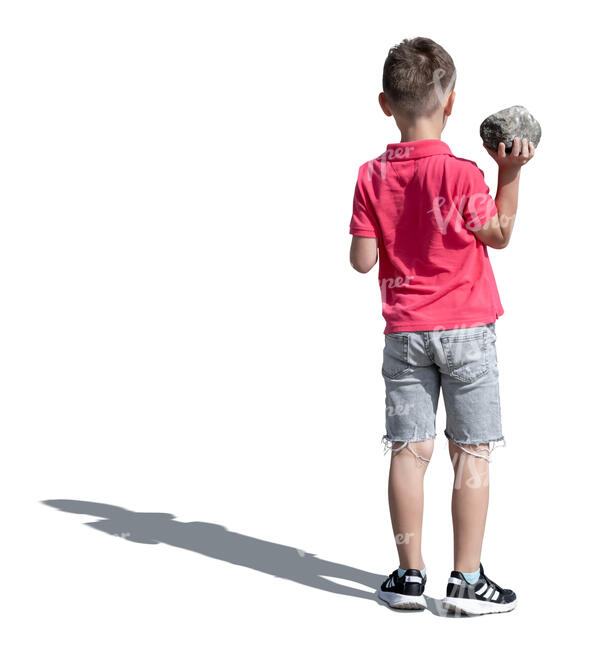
{"points": [[504, 126]]}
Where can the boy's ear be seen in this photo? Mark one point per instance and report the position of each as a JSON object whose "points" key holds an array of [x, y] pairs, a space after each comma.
{"points": [[447, 109], [384, 104]]}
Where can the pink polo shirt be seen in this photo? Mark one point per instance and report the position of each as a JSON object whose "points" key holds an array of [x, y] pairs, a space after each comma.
{"points": [[421, 202]]}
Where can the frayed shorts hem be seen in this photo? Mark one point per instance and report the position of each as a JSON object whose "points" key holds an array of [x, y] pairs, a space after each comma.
{"points": [[483, 441], [388, 441]]}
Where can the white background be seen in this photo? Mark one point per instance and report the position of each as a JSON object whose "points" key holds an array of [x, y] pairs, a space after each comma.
{"points": [[182, 332]]}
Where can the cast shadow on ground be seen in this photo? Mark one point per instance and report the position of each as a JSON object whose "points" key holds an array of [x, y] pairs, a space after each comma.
{"points": [[217, 542]]}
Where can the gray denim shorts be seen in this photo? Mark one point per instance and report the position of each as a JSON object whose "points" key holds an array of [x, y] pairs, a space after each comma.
{"points": [[463, 363]]}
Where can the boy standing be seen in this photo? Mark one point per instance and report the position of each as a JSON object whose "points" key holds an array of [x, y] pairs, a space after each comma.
{"points": [[431, 216]]}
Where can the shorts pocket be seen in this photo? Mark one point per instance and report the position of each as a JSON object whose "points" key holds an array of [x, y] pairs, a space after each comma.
{"points": [[466, 355], [395, 362]]}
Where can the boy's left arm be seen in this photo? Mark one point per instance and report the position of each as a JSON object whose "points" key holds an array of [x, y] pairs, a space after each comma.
{"points": [[363, 225], [363, 253]]}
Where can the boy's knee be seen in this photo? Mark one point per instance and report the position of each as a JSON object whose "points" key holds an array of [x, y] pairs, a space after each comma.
{"points": [[481, 450], [422, 450]]}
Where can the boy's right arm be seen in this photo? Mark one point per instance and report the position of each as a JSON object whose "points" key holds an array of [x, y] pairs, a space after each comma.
{"points": [[497, 232]]}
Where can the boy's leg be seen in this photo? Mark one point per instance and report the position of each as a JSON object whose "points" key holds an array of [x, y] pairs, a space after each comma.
{"points": [[412, 392], [469, 590], [469, 503], [470, 385], [408, 465]]}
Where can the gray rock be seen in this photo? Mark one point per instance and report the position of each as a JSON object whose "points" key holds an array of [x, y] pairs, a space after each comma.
{"points": [[507, 124]]}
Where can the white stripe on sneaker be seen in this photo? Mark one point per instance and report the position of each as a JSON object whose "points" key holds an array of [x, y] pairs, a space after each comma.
{"points": [[455, 581], [495, 596], [488, 593], [413, 579], [482, 589]]}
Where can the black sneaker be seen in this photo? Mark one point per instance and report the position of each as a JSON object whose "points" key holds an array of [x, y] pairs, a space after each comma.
{"points": [[483, 597], [405, 592]]}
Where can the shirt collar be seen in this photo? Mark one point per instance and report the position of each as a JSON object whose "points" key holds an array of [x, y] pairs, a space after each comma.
{"points": [[416, 149]]}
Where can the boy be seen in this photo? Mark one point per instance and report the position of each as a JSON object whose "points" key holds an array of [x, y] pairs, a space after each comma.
{"points": [[431, 216]]}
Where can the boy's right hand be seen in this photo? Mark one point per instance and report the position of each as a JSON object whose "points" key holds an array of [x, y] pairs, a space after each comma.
{"points": [[520, 154], [497, 231]]}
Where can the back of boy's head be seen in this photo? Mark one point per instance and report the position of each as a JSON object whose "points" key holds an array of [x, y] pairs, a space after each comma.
{"points": [[417, 74]]}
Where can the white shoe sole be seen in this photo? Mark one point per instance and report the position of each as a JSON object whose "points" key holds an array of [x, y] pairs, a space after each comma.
{"points": [[399, 601], [471, 606]]}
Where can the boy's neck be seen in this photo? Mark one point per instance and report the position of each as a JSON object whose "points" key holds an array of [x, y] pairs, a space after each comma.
{"points": [[421, 129]]}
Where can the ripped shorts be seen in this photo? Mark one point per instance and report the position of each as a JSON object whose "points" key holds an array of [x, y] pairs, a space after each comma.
{"points": [[462, 363]]}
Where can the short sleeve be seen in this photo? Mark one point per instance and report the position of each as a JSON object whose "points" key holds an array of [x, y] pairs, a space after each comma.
{"points": [[363, 222], [479, 206]]}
